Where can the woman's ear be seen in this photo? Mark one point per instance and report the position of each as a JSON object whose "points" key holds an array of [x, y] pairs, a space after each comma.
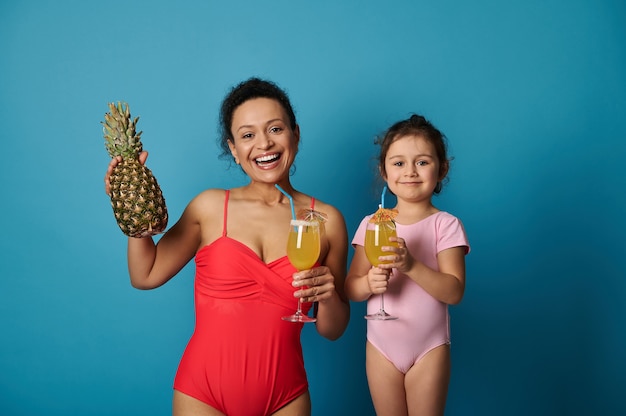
{"points": [[233, 150], [296, 134]]}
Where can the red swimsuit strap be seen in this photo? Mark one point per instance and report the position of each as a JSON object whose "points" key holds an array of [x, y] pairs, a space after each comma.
{"points": [[225, 212]]}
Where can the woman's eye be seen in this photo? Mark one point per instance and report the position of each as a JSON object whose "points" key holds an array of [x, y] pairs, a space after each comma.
{"points": [[246, 136], [276, 130]]}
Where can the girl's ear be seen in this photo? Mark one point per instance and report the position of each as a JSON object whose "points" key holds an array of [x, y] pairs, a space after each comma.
{"points": [[382, 173], [443, 170]]}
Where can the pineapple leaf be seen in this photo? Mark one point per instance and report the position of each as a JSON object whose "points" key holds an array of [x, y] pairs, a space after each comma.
{"points": [[119, 131]]}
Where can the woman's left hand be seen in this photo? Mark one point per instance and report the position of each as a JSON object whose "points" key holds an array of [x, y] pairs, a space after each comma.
{"points": [[317, 284]]}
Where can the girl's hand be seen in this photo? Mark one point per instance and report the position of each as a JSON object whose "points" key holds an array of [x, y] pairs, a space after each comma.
{"points": [[399, 257], [377, 279], [114, 162], [319, 284]]}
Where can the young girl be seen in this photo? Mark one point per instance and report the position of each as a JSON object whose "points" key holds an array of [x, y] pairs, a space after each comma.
{"points": [[408, 359]]}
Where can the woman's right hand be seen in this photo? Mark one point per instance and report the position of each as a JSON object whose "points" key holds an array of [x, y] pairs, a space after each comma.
{"points": [[114, 162]]}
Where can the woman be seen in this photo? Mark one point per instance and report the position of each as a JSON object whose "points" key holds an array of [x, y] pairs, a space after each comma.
{"points": [[242, 358]]}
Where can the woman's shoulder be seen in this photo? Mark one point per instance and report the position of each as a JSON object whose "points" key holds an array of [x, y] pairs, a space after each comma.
{"points": [[330, 210], [208, 197], [211, 194]]}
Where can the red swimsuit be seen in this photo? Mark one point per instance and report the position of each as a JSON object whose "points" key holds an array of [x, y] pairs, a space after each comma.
{"points": [[242, 359]]}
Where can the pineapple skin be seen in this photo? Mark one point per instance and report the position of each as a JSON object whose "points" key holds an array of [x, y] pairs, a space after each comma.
{"points": [[136, 198], [137, 201]]}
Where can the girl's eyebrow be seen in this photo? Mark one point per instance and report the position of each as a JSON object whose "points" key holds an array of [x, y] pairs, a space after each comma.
{"points": [[418, 156]]}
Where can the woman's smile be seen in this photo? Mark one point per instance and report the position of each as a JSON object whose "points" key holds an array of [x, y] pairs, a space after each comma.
{"points": [[267, 160]]}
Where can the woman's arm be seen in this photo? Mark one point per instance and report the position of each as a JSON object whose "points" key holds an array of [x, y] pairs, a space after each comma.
{"points": [[152, 265], [326, 283]]}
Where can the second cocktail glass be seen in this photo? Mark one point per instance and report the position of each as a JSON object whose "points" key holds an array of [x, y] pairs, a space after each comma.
{"points": [[376, 236], [303, 250]]}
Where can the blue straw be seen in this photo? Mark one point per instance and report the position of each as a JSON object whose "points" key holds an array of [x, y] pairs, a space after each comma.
{"points": [[293, 212], [382, 197]]}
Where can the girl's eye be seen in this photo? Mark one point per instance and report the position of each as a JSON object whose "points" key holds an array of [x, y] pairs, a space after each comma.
{"points": [[422, 163], [399, 164]]}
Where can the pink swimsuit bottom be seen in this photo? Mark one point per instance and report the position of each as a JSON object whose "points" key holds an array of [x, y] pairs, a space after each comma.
{"points": [[422, 323]]}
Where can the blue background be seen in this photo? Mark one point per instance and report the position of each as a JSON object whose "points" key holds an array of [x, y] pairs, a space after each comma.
{"points": [[531, 94]]}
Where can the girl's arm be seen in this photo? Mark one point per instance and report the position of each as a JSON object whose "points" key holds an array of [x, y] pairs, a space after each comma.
{"points": [[364, 280], [446, 285]]}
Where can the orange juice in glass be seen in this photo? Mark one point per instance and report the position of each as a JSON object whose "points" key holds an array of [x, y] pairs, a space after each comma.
{"points": [[376, 236], [303, 250], [303, 245]]}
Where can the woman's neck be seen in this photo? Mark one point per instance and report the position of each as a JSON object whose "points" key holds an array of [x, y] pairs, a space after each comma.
{"points": [[268, 193]]}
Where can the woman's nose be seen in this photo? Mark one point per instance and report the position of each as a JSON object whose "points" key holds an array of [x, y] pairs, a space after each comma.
{"points": [[265, 142]]}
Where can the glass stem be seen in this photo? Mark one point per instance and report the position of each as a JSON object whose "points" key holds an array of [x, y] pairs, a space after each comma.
{"points": [[382, 302]]}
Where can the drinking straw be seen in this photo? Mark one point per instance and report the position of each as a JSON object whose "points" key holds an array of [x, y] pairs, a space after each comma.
{"points": [[376, 234], [293, 211], [299, 239], [382, 197]]}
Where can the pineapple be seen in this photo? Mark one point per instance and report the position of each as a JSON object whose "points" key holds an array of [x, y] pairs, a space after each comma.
{"points": [[136, 198]]}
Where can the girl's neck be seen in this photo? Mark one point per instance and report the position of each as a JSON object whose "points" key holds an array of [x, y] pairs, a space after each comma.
{"points": [[412, 212]]}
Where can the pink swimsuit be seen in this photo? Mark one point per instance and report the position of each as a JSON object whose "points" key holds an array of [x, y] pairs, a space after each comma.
{"points": [[423, 321]]}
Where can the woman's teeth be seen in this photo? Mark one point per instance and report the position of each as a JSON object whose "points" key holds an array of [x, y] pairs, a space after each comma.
{"points": [[267, 159]]}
